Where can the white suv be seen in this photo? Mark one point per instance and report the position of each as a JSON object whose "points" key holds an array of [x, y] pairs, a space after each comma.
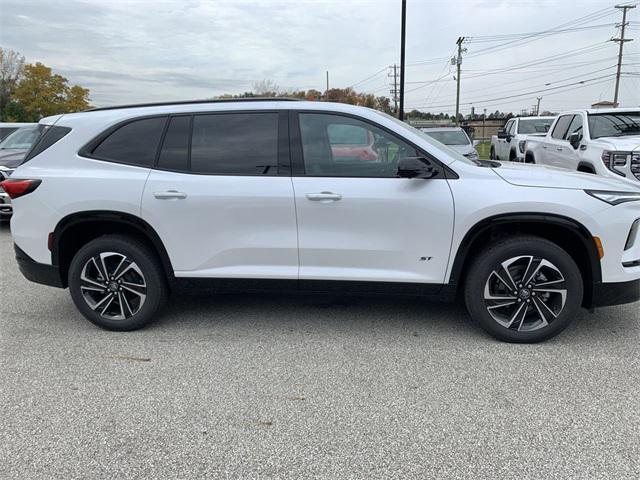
{"points": [[123, 205]]}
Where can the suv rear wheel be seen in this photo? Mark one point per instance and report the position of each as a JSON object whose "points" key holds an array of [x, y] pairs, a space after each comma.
{"points": [[524, 289], [117, 283]]}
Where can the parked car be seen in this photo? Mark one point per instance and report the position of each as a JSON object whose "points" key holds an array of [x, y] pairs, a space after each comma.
{"points": [[509, 143], [12, 151], [122, 205], [7, 128], [350, 142], [455, 138], [604, 142]]}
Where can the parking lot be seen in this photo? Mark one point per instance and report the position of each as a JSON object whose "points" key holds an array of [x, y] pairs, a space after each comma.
{"points": [[261, 386]]}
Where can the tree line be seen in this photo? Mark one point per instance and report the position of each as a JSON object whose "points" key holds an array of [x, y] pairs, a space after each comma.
{"points": [[268, 88], [31, 91]]}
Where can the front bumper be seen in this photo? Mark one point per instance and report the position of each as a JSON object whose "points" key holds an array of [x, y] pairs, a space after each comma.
{"points": [[620, 293], [38, 272]]}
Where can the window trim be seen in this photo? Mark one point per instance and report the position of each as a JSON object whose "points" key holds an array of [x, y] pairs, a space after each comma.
{"points": [[283, 145], [297, 155]]}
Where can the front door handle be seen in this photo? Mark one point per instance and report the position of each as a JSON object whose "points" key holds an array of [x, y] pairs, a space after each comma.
{"points": [[544, 146], [559, 149], [169, 194], [324, 197]]}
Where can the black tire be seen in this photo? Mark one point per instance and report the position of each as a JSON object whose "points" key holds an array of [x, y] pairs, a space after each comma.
{"points": [[529, 158], [481, 275], [492, 153], [512, 156], [145, 261]]}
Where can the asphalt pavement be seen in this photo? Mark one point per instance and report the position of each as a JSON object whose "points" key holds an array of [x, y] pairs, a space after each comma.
{"points": [[274, 386]]}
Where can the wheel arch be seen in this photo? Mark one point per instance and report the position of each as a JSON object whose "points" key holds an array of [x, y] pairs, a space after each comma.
{"points": [[75, 230], [567, 233]]}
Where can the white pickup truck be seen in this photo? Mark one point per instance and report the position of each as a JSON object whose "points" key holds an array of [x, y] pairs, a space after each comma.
{"points": [[509, 143], [603, 142]]}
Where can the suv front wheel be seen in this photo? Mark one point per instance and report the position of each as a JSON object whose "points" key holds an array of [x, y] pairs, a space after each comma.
{"points": [[524, 289], [117, 283]]}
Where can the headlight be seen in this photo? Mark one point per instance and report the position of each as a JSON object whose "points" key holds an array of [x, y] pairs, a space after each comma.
{"points": [[615, 159], [521, 145], [614, 198]]}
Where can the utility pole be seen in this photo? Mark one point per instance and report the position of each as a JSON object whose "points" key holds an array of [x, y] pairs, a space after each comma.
{"points": [[621, 41], [538, 106], [326, 95], [403, 31], [458, 61], [394, 91]]}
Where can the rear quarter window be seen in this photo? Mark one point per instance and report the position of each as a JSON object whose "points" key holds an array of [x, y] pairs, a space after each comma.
{"points": [[135, 143]]}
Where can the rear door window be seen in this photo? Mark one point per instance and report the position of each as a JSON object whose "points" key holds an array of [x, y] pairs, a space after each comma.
{"points": [[135, 143], [235, 144]]}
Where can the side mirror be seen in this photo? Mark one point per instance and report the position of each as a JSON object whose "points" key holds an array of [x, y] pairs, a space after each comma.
{"points": [[416, 167], [574, 140], [502, 133]]}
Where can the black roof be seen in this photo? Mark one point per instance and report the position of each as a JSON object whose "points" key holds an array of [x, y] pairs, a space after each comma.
{"points": [[189, 102]]}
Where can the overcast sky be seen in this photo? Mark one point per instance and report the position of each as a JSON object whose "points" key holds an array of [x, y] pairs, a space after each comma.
{"points": [[154, 50]]}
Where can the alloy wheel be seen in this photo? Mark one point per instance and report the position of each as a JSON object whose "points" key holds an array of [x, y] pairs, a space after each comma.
{"points": [[113, 285], [525, 293]]}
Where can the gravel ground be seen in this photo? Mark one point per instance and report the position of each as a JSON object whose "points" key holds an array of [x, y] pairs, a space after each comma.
{"points": [[309, 387]]}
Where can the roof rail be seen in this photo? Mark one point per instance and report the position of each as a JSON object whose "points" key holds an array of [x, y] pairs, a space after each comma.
{"points": [[189, 102]]}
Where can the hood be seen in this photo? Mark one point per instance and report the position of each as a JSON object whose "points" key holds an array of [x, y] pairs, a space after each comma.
{"points": [[620, 144], [463, 149], [12, 158], [528, 175]]}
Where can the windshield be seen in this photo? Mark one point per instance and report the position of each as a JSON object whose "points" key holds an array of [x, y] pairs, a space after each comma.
{"points": [[535, 125], [449, 137], [430, 140], [21, 139], [614, 124]]}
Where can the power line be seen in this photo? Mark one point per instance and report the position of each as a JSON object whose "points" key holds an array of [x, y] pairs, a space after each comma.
{"points": [[544, 90]]}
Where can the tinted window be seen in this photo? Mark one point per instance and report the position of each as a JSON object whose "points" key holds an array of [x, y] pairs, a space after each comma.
{"points": [[235, 144], [562, 125], [575, 126], [536, 125], [175, 147], [511, 127], [325, 157], [614, 124], [135, 143], [50, 136]]}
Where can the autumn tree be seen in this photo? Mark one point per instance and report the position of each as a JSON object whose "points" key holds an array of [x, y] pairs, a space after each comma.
{"points": [[41, 93], [11, 66]]}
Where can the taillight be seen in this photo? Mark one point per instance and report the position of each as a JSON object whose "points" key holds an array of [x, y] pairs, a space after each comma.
{"points": [[17, 188]]}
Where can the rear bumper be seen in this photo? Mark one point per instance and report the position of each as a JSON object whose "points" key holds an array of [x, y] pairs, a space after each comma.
{"points": [[608, 294], [38, 272]]}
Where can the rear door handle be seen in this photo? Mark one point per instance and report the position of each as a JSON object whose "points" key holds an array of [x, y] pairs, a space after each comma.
{"points": [[169, 194], [544, 146], [324, 197], [559, 149]]}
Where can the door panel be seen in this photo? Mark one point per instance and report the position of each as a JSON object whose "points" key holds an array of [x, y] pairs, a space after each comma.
{"points": [[224, 226], [381, 229], [357, 220]]}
